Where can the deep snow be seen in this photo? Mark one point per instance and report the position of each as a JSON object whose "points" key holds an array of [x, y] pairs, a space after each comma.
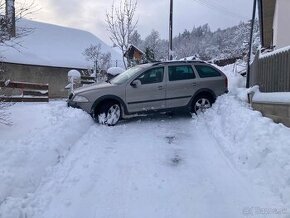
{"points": [[230, 162]]}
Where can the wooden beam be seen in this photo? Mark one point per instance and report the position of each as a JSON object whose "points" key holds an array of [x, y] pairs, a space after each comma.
{"points": [[24, 85], [24, 99]]}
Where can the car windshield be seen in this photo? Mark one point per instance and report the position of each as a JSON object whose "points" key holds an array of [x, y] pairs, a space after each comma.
{"points": [[123, 77]]}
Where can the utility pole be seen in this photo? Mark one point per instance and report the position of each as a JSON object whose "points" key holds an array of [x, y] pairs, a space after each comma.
{"points": [[170, 57], [251, 43]]}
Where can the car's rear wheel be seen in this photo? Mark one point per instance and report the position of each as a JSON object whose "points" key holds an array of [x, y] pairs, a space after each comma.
{"points": [[201, 103], [109, 113]]}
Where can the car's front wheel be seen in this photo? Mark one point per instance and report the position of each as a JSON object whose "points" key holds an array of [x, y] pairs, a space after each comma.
{"points": [[201, 103], [109, 114]]}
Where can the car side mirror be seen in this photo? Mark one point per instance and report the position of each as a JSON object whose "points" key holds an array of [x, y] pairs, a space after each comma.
{"points": [[136, 83]]}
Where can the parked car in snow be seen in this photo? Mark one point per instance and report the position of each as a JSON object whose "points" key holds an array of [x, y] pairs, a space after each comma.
{"points": [[154, 87]]}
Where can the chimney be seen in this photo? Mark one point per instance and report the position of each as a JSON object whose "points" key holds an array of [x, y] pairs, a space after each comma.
{"points": [[10, 18]]}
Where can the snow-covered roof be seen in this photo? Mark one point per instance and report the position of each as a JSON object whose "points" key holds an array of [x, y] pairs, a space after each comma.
{"points": [[52, 45]]}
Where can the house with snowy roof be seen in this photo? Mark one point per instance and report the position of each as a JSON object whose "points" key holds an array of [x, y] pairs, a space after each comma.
{"points": [[134, 54], [270, 69], [47, 53]]}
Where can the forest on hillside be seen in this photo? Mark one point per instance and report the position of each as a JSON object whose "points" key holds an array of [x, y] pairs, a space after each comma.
{"points": [[200, 42]]}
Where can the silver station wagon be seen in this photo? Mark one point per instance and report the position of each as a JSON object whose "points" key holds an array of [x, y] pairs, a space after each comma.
{"points": [[149, 88]]}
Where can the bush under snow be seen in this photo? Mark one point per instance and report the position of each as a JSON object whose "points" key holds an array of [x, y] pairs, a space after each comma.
{"points": [[114, 71]]}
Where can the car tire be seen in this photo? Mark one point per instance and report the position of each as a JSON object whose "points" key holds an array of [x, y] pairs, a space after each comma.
{"points": [[109, 113], [201, 103]]}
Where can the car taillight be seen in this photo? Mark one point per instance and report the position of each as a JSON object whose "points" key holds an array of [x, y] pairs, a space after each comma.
{"points": [[226, 82]]}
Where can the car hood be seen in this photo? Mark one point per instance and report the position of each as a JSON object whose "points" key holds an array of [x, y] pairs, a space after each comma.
{"points": [[93, 87]]}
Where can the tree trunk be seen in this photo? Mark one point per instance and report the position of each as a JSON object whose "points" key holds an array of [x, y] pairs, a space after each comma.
{"points": [[10, 18]]}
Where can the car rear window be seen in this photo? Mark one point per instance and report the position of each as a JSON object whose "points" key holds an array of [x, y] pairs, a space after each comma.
{"points": [[207, 71], [180, 73]]}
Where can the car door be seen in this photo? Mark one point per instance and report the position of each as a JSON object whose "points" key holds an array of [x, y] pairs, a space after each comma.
{"points": [[182, 84], [211, 78], [149, 94]]}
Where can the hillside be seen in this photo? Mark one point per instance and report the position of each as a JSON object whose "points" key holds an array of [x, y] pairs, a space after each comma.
{"points": [[202, 42], [52, 45]]}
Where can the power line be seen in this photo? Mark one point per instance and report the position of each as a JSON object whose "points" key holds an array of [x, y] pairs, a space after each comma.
{"points": [[219, 8]]}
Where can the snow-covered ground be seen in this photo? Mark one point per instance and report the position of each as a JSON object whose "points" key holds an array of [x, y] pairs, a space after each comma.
{"points": [[229, 162]]}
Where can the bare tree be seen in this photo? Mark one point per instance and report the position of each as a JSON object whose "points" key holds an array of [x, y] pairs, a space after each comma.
{"points": [[105, 62], [121, 24], [93, 52], [101, 60]]}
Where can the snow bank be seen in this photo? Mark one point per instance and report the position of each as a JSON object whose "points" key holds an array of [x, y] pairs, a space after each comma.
{"points": [[236, 82], [41, 136], [255, 145], [51, 45], [114, 71], [272, 97]]}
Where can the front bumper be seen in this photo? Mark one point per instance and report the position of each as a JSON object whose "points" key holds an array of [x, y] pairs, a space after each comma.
{"points": [[73, 104], [85, 106]]}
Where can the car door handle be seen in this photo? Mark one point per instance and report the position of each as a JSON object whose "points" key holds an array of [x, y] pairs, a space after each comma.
{"points": [[194, 84], [160, 87]]}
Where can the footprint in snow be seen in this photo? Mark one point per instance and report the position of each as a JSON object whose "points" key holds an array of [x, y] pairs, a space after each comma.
{"points": [[170, 139], [176, 160]]}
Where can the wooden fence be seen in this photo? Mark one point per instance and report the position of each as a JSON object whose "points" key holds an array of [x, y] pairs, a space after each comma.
{"points": [[23, 92], [271, 71], [85, 80]]}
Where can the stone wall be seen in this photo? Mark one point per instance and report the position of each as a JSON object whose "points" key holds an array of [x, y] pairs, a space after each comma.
{"points": [[56, 77], [278, 112]]}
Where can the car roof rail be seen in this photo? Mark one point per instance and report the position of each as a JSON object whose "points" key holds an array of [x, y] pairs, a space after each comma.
{"points": [[178, 62]]}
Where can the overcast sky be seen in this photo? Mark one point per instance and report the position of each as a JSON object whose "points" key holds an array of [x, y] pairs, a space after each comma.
{"points": [[152, 14]]}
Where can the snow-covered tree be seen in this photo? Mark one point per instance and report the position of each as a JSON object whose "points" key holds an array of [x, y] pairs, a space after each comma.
{"points": [[121, 24], [135, 39], [149, 55], [152, 42]]}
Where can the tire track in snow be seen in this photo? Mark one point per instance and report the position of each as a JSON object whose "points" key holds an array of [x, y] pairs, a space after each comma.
{"points": [[127, 171]]}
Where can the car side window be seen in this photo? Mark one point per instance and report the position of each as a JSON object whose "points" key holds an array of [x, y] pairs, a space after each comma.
{"points": [[207, 71], [154, 75], [180, 73]]}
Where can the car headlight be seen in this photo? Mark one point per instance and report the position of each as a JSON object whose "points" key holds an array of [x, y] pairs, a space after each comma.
{"points": [[81, 99]]}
